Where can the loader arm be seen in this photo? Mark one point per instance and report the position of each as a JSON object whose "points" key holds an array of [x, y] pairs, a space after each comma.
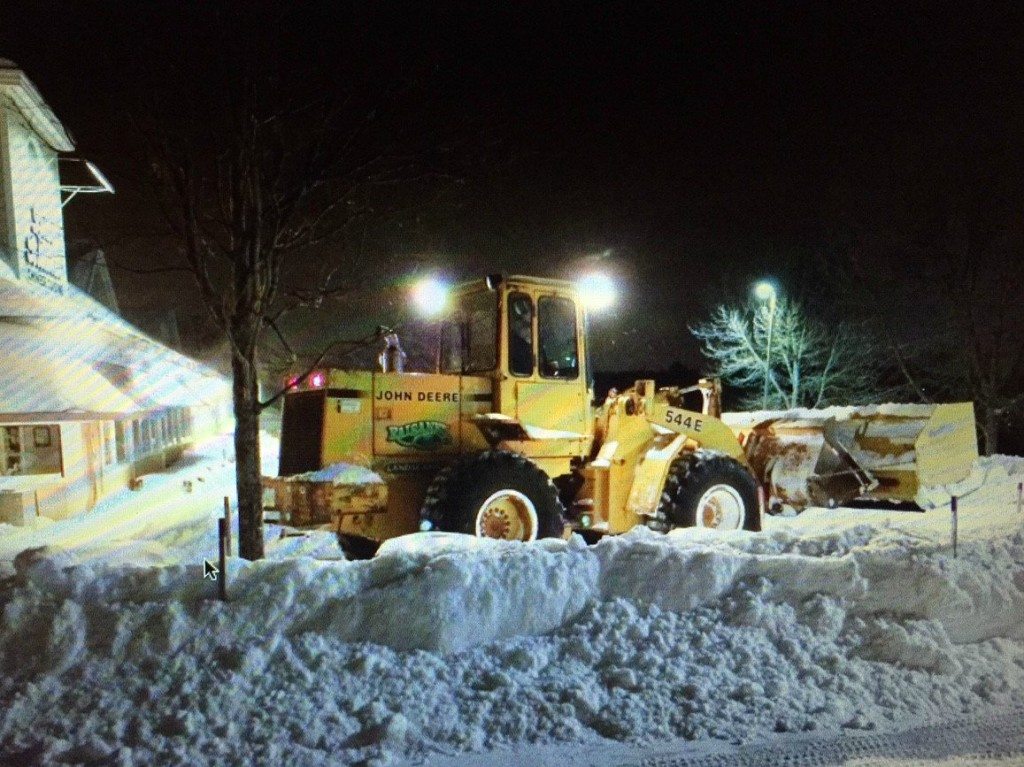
{"points": [[689, 426], [707, 431]]}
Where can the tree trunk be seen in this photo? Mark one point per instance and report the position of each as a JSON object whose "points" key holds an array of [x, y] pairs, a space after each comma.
{"points": [[990, 433], [247, 458]]}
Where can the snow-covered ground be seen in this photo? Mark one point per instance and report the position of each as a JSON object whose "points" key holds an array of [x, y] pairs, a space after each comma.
{"points": [[834, 634], [170, 520]]}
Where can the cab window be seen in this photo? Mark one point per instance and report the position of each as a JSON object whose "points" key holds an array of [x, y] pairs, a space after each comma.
{"points": [[520, 334], [556, 334], [469, 337]]}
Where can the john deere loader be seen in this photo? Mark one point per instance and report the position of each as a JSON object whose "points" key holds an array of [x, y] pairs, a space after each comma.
{"points": [[503, 439]]}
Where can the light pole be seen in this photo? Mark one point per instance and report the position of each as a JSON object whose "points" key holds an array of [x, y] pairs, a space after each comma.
{"points": [[765, 292]]}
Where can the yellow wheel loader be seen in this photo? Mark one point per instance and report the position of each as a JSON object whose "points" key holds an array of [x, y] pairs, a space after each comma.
{"points": [[503, 439]]}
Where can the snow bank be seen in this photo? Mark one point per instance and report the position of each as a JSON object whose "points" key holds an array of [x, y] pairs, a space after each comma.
{"points": [[171, 520], [641, 636], [453, 600], [834, 621], [989, 475], [1013, 464]]}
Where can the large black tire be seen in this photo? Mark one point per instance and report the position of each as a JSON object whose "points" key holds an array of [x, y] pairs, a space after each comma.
{"points": [[691, 476], [492, 494]]}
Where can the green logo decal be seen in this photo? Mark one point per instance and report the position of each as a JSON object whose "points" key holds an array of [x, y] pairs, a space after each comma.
{"points": [[420, 435]]}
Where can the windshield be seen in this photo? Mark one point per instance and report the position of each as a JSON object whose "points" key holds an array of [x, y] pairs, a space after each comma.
{"points": [[469, 337]]}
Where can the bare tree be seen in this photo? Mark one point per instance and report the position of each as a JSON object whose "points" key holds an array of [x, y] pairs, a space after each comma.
{"points": [[806, 362], [976, 351], [951, 310], [268, 181]]}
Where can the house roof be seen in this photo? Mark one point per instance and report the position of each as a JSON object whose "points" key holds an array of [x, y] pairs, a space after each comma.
{"points": [[69, 355], [25, 97]]}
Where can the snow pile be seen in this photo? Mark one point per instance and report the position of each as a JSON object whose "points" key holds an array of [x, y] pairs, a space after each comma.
{"points": [[639, 637], [172, 519], [836, 621], [836, 412], [342, 474], [988, 480], [1013, 464]]}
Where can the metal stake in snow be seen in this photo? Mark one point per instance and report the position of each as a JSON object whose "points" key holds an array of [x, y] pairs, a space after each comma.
{"points": [[1020, 498], [222, 559], [227, 516], [953, 510]]}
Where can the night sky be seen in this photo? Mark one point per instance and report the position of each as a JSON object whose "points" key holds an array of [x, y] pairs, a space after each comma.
{"points": [[686, 149]]}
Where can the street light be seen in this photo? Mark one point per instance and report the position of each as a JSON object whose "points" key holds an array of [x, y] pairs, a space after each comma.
{"points": [[765, 292]]}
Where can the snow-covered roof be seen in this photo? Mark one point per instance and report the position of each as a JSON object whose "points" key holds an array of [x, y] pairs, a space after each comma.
{"points": [[68, 355], [26, 98]]}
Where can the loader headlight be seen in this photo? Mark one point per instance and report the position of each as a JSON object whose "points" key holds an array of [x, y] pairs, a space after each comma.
{"points": [[430, 296], [597, 291]]}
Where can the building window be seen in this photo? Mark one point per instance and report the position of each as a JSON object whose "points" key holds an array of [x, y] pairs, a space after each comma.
{"points": [[123, 433], [12, 450], [30, 450], [41, 436], [109, 444]]}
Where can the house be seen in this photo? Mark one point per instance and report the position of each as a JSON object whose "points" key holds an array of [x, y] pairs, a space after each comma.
{"points": [[88, 402]]}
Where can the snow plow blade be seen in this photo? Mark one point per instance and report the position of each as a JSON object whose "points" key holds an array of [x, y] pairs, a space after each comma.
{"points": [[875, 452], [321, 498]]}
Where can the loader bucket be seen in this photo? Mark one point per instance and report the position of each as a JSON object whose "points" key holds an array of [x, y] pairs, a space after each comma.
{"points": [[876, 452]]}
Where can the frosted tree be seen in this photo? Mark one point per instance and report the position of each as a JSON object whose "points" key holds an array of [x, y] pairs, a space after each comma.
{"points": [[780, 357]]}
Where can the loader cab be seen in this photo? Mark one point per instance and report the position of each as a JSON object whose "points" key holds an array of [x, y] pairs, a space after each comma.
{"points": [[527, 335]]}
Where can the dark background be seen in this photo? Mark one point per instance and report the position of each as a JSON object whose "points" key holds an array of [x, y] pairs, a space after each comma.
{"points": [[687, 150]]}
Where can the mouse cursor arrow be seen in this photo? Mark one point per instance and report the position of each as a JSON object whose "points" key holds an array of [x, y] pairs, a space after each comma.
{"points": [[210, 570]]}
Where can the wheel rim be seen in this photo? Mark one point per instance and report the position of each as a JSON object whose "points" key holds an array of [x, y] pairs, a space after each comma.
{"points": [[507, 515], [720, 508]]}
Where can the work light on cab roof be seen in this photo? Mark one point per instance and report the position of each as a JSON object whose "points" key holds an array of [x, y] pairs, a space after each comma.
{"points": [[597, 291], [430, 296]]}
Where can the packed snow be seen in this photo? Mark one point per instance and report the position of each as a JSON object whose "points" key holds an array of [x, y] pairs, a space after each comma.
{"points": [[838, 413], [839, 623], [171, 519], [342, 474]]}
